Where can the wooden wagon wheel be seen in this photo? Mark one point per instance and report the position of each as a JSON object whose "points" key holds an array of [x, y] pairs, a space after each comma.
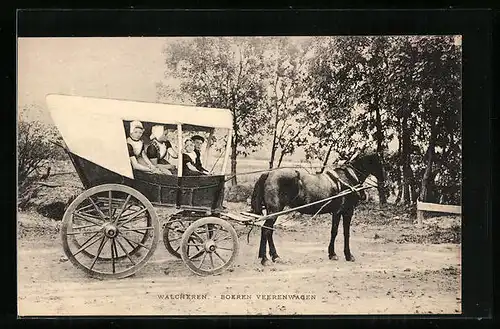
{"points": [[102, 203], [113, 238], [218, 246], [173, 230]]}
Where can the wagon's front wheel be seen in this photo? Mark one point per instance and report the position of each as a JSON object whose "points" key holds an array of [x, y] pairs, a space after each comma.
{"points": [[209, 246], [110, 231]]}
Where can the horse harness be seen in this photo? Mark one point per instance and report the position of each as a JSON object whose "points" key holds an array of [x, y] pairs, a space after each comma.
{"points": [[338, 182]]}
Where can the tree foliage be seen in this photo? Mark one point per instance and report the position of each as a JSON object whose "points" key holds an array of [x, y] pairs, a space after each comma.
{"points": [[400, 95], [224, 73]]}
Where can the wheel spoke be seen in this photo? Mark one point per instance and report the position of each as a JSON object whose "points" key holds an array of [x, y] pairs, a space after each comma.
{"points": [[198, 236], [85, 246], [116, 249], [85, 232], [215, 252], [89, 214], [101, 246], [84, 226], [227, 237], [201, 262], [97, 208], [136, 229], [113, 246], [122, 208], [87, 219], [110, 205], [84, 207], [212, 260], [195, 245], [198, 254], [216, 232], [125, 251], [137, 243], [175, 239], [134, 215], [224, 248]]}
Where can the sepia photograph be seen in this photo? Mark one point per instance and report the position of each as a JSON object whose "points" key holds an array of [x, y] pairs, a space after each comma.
{"points": [[155, 173]]}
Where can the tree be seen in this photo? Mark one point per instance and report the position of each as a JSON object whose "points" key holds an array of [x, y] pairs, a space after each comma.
{"points": [[441, 96], [332, 101], [224, 73], [286, 100], [348, 78]]}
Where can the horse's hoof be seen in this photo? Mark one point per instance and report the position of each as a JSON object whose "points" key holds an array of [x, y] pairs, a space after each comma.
{"points": [[278, 260], [265, 262], [350, 258], [333, 257]]}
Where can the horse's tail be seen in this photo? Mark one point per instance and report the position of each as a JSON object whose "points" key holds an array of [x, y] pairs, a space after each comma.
{"points": [[258, 194]]}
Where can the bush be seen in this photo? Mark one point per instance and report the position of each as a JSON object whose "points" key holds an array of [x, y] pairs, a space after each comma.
{"points": [[35, 151], [238, 193]]}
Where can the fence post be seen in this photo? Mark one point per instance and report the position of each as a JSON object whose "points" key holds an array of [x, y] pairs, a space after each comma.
{"points": [[420, 214]]}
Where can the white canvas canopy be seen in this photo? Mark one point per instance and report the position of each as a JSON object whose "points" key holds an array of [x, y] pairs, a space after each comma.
{"points": [[92, 128]]}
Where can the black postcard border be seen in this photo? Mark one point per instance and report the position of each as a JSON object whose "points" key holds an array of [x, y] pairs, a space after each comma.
{"points": [[474, 25]]}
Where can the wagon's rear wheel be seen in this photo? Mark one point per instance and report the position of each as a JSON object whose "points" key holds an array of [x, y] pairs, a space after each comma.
{"points": [[110, 231], [209, 246]]}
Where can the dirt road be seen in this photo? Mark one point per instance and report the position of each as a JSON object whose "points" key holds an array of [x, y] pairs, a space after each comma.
{"points": [[390, 276]]}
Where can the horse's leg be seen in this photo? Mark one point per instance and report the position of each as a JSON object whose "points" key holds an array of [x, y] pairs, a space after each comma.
{"points": [[346, 221], [263, 242], [272, 249], [333, 235]]}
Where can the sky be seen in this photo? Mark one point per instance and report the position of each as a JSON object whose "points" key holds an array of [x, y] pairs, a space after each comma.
{"points": [[123, 68], [120, 68]]}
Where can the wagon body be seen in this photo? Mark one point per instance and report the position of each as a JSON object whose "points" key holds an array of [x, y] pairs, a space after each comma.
{"points": [[197, 193]]}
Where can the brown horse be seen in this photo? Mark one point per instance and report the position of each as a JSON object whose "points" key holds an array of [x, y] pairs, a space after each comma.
{"points": [[289, 187]]}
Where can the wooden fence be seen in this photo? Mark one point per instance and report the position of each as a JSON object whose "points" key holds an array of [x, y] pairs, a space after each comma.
{"points": [[424, 206]]}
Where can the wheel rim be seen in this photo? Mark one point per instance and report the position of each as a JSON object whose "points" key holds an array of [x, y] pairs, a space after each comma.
{"points": [[217, 244], [113, 238]]}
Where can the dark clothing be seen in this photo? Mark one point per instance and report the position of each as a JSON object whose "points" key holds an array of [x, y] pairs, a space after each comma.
{"points": [[153, 152], [131, 150], [197, 163], [185, 169]]}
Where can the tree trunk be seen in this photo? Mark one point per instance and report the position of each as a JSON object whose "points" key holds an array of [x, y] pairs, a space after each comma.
{"points": [[234, 153], [282, 155], [407, 172], [380, 144], [426, 180], [400, 191], [234, 180], [274, 145], [325, 161]]}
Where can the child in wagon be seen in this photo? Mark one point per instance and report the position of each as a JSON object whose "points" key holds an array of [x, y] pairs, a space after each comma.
{"points": [[189, 160], [136, 152], [159, 149], [198, 141]]}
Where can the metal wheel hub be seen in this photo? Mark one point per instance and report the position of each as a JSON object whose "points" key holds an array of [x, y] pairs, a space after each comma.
{"points": [[110, 230], [210, 246]]}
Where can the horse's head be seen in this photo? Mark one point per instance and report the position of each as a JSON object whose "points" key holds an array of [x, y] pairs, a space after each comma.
{"points": [[370, 163]]}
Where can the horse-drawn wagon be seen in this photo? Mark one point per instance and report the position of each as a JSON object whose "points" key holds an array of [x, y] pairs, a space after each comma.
{"points": [[112, 229]]}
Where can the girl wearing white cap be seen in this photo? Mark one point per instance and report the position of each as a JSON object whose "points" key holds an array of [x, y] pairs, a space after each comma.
{"points": [[136, 151], [159, 149]]}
